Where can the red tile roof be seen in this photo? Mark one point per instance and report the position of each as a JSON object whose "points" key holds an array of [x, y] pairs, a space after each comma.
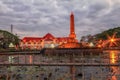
{"points": [[32, 39], [49, 36]]}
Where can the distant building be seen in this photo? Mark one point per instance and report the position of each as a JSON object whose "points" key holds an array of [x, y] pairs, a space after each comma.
{"points": [[47, 41], [50, 41]]}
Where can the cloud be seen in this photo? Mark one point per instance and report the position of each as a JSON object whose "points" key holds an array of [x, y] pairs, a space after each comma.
{"points": [[4, 8], [43, 16]]}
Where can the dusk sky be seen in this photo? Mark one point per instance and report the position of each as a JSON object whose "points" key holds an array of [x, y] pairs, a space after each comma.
{"points": [[38, 17]]}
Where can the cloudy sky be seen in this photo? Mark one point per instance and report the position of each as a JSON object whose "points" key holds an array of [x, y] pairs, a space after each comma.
{"points": [[38, 17]]}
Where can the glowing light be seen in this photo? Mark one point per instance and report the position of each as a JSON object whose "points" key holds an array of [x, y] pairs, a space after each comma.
{"points": [[112, 40], [113, 60], [52, 46], [91, 45], [99, 46], [112, 57], [114, 78]]}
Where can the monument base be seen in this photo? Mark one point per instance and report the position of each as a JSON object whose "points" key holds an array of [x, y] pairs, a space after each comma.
{"points": [[70, 45]]}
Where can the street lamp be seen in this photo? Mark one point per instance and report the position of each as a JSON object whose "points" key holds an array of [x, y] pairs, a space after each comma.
{"points": [[112, 40]]}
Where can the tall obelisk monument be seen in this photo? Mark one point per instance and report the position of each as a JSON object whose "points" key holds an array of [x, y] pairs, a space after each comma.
{"points": [[72, 41], [72, 28]]}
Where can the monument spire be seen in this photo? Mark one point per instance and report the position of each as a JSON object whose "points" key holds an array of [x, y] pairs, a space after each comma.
{"points": [[72, 28]]}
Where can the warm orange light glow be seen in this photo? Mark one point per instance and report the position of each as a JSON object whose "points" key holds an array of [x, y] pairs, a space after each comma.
{"points": [[112, 57], [112, 40], [113, 60], [99, 46], [115, 70], [114, 78]]}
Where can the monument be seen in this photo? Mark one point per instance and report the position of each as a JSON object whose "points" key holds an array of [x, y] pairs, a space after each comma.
{"points": [[72, 28], [73, 42], [50, 41]]}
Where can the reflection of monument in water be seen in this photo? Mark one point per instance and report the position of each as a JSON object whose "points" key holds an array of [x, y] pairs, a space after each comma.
{"points": [[72, 43]]}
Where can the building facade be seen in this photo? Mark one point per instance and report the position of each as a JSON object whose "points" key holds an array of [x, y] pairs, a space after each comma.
{"points": [[47, 41], [50, 41]]}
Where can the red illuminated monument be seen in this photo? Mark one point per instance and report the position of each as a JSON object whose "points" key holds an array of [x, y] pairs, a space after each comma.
{"points": [[72, 28], [73, 42]]}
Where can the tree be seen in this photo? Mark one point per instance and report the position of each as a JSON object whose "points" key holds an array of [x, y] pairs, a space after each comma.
{"points": [[8, 38]]}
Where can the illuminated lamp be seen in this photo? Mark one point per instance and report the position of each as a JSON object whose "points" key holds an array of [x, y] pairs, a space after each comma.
{"points": [[112, 40]]}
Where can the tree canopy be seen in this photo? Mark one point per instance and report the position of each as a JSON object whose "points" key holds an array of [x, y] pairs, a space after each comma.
{"points": [[103, 35], [6, 38], [109, 32]]}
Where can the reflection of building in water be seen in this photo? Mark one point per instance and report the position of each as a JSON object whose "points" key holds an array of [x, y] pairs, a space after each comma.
{"points": [[50, 41]]}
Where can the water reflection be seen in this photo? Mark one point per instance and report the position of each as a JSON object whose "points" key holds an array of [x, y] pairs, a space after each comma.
{"points": [[113, 60], [30, 59]]}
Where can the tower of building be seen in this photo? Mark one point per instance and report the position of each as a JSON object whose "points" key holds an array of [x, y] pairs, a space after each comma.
{"points": [[72, 28]]}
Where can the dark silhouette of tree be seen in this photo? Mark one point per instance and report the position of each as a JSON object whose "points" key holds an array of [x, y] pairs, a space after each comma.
{"points": [[8, 38]]}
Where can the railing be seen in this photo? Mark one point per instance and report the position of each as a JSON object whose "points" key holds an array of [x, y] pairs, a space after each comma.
{"points": [[87, 64], [60, 64], [38, 59]]}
